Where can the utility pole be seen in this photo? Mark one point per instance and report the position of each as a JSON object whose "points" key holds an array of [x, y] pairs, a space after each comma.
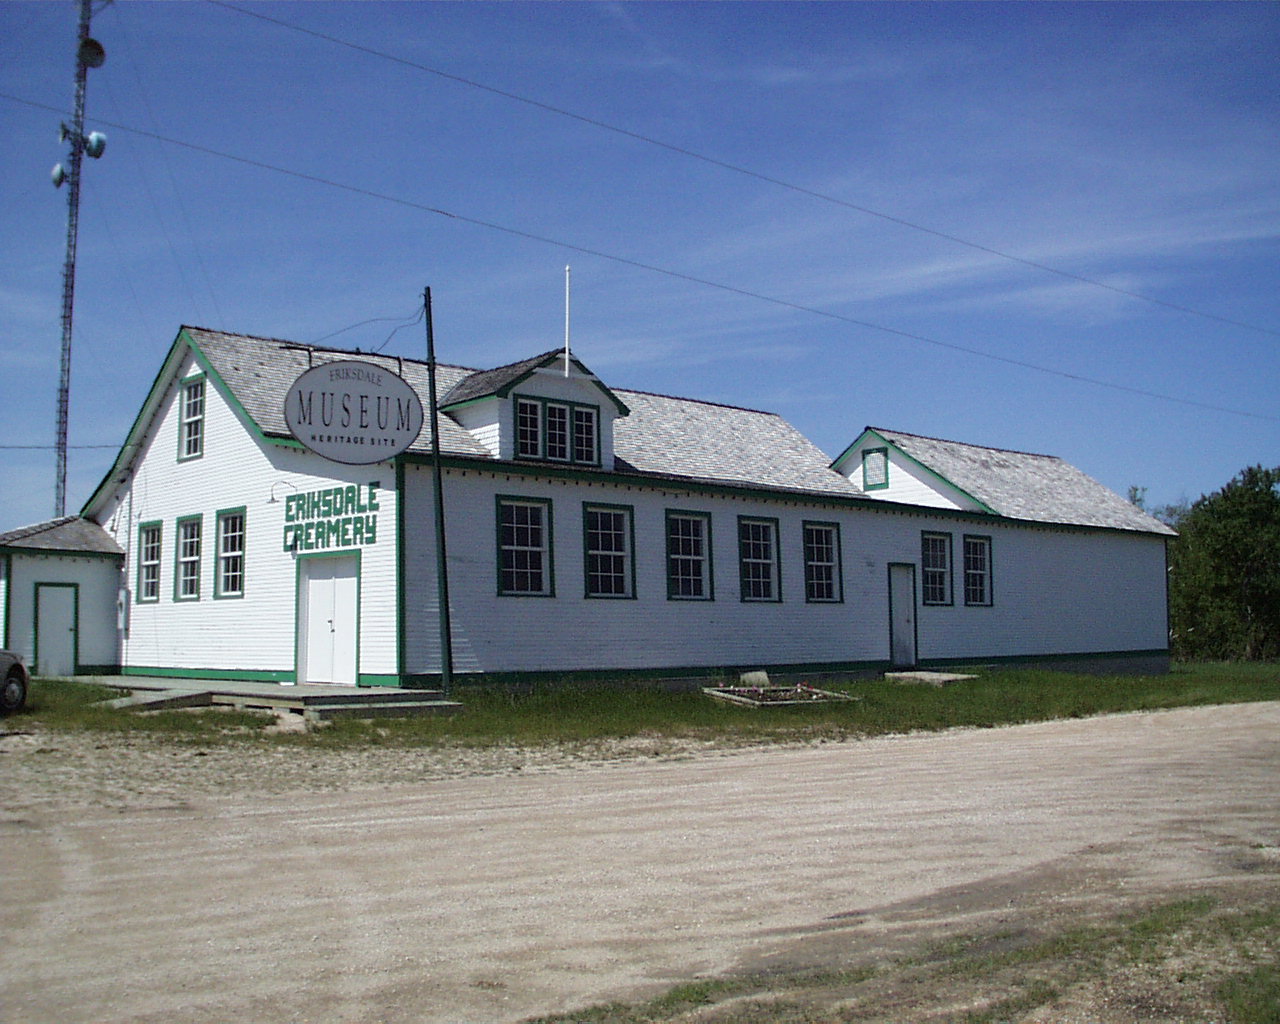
{"points": [[89, 54], [442, 559]]}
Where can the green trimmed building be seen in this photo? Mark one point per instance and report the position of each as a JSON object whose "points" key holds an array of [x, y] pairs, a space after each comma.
{"points": [[589, 529]]}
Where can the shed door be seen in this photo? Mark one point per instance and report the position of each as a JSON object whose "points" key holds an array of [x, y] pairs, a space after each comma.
{"points": [[56, 629], [328, 621], [902, 615]]}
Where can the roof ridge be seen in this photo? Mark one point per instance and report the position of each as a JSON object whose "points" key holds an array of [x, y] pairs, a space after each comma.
{"points": [[34, 529], [307, 345], [964, 444], [475, 370], [696, 401]]}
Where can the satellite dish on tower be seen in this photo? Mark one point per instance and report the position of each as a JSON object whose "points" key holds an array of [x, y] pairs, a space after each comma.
{"points": [[91, 54]]}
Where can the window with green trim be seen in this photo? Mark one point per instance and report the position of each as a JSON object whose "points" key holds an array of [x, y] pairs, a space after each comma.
{"points": [[191, 431], [150, 536], [557, 431], [524, 547], [822, 577], [875, 469], [229, 578], [935, 568], [977, 571], [689, 556], [186, 583], [608, 538], [758, 564]]}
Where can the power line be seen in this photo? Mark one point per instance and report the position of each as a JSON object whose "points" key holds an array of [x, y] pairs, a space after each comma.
{"points": [[739, 169], [654, 268]]}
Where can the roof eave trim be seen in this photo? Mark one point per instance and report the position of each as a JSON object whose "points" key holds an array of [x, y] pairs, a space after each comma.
{"points": [[547, 360], [933, 472]]}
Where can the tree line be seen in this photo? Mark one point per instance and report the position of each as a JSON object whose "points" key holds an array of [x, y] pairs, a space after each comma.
{"points": [[1224, 570]]}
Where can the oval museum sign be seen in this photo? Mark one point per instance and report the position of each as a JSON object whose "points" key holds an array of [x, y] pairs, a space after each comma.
{"points": [[353, 412]]}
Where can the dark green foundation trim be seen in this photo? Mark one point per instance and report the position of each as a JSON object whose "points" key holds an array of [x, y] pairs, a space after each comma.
{"points": [[241, 675], [1025, 659], [383, 679], [708, 674]]}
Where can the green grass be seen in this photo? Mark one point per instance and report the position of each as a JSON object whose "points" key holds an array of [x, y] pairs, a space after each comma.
{"points": [[1009, 975], [67, 706], [549, 714]]}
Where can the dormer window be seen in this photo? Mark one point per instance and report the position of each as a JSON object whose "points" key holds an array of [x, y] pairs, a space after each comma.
{"points": [[557, 431]]}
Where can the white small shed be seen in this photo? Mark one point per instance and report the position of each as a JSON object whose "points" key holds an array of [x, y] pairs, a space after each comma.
{"points": [[60, 597]]}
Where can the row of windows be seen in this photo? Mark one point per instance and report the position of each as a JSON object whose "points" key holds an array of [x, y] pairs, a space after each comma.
{"points": [[526, 559], [545, 429], [228, 557], [935, 565], [557, 431]]}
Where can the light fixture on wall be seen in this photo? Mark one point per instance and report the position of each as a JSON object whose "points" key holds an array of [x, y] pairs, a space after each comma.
{"points": [[273, 500]]}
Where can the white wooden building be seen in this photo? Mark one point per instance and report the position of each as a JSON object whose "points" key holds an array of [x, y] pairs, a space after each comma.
{"points": [[592, 529]]}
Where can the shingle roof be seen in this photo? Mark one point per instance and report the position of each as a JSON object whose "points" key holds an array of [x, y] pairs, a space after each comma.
{"points": [[482, 383], [259, 372], [704, 441], [66, 534], [666, 436], [1020, 485], [685, 439]]}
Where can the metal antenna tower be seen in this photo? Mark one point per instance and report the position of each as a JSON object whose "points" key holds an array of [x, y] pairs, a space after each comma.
{"points": [[89, 54]]}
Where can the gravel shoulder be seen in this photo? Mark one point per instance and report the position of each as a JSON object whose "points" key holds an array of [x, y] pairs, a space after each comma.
{"points": [[151, 882]]}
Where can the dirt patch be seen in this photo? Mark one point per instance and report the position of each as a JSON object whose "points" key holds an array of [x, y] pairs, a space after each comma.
{"points": [[497, 885]]}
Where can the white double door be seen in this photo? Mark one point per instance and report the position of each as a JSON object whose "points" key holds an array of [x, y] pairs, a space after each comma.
{"points": [[328, 620]]}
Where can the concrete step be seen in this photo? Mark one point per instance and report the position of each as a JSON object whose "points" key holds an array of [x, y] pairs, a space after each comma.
{"points": [[381, 709], [159, 700], [362, 695]]}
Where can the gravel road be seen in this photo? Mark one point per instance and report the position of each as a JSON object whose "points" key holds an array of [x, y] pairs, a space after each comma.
{"points": [[150, 884]]}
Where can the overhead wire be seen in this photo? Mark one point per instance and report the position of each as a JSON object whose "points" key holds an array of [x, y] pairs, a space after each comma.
{"points": [[739, 169], [193, 244], [654, 268], [402, 321]]}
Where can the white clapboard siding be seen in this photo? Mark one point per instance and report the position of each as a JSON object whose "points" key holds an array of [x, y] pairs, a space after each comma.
{"points": [[254, 633], [1054, 591], [96, 581]]}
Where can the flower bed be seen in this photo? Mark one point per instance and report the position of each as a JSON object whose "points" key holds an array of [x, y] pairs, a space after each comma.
{"points": [[771, 696]]}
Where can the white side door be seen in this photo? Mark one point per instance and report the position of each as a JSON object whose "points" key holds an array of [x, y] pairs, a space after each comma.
{"points": [[56, 629], [328, 621], [902, 615]]}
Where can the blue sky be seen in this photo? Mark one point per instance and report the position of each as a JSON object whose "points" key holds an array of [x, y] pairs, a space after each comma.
{"points": [[1135, 146]]}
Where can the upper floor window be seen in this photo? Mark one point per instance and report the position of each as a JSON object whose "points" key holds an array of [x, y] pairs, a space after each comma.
{"points": [[149, 535], [191, 433], [689, 556], [822, 580], [935, 565], [977, 570], [758, 559], [586, 439], [557, 431]]}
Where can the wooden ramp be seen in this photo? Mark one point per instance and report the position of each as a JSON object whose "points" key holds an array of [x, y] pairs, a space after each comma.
{"points": [[314, 702]]}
